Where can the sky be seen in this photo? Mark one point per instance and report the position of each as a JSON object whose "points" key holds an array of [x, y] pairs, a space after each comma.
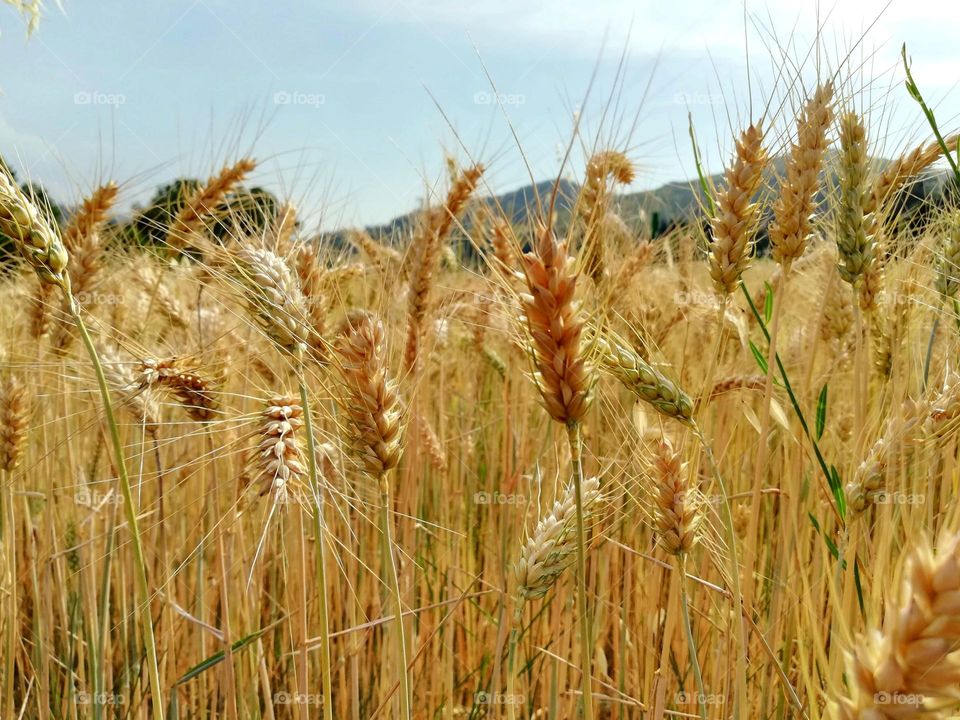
{"points": [[352, 108]]}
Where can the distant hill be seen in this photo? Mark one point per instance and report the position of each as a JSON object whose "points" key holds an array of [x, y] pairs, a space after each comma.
{"points": [[652, 212]]}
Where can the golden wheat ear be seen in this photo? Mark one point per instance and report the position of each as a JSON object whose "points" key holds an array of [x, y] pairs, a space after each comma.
{"points": [[795, 205], [14, 410], [371, 399], [738, 215], [908, 667], [552, 316]]}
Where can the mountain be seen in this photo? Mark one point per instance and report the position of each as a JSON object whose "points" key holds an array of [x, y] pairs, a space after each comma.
{"points": [[676, 203]]}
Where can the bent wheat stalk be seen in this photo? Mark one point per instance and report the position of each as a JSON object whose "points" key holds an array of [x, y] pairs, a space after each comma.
{"points": [[43, 249]]}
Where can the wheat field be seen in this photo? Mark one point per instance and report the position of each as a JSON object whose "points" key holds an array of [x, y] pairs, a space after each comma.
{"points": [[555, 468]]}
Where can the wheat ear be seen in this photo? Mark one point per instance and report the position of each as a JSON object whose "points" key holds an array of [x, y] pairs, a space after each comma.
{"points": [[854, 242], [187, 225], [908, 667], [195, 392], [735, 223], [427, 246], [594, 203], [794, 208], [647, 383], [14, 404], [552, 546]]}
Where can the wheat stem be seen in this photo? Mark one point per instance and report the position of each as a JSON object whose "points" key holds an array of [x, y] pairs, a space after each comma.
{"points": [[320, 532], [143, 589], [394, 579], [586, 644], [691, 643]]}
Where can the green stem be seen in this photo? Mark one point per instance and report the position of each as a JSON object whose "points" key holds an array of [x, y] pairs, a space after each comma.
{"points": [[586, 645], [143, 589], [394, 579], [320, 532], [691, 643]]}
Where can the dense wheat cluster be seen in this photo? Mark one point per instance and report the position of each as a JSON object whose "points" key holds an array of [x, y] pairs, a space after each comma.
{"points": [[557, 467]]}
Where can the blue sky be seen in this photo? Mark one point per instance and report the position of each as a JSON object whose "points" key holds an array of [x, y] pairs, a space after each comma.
{"points": [[352, 106]]}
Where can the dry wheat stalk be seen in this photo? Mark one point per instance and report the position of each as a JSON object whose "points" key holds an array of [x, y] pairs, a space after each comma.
{"points": [[630, 267], [737, 216], [82, 239], [794, 208], [14, 405], [156, 290], [41, 300], [552, 317], [285, 227], [188, 226], [381, 256], [91, 216], [552, 547], [372, 402], [500, 241], [427, 246], [908, 667], [735, 382], [195, 392], [35, 238], [854, 242], [435, 451]]}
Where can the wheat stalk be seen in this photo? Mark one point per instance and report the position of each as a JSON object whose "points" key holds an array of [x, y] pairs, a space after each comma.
{"points": [[195, 392], [427, 245], [14, 405]]}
